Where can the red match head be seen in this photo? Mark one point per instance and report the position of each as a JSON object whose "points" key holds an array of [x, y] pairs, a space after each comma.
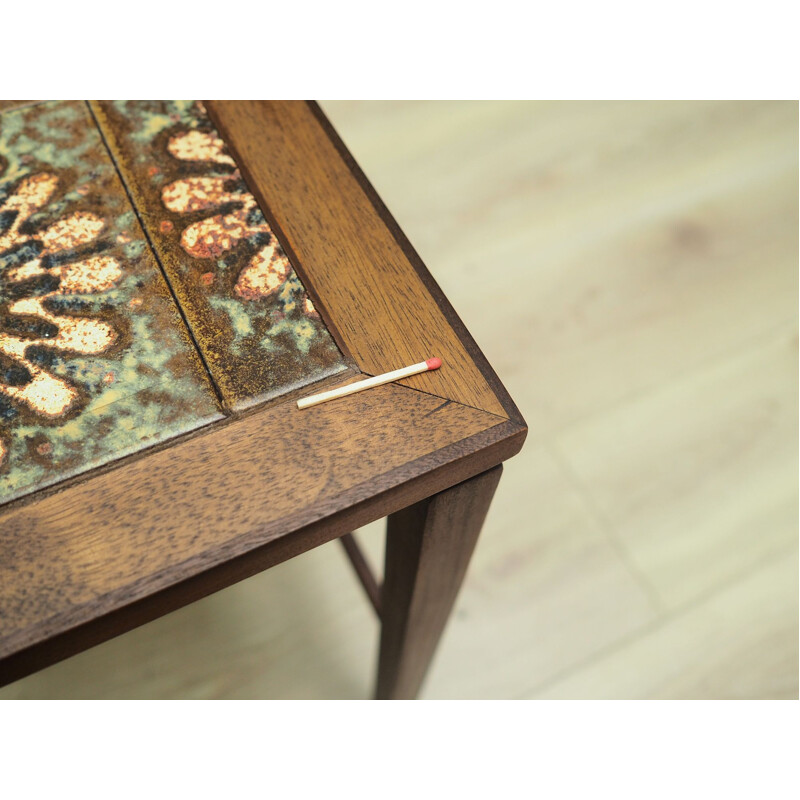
{"points": [[434, 363]]}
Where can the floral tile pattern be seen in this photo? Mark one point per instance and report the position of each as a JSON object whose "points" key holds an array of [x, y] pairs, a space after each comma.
{"points": [[256, 327], [95, 361]]}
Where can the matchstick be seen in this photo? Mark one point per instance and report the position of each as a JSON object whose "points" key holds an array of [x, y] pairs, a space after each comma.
{"points": [[368, 383]]}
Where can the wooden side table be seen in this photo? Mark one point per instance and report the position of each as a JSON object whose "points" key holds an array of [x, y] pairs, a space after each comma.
{"points": [[173, 276]]}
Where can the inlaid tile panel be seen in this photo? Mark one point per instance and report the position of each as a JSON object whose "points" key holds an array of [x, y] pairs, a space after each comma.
{"points": [[256, 327], [95, 361]]}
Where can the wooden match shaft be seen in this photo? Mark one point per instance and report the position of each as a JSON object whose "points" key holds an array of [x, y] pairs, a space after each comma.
{"points": [[368, 383]]}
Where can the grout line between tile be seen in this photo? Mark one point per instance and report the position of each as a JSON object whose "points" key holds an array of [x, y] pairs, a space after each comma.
{"points": [[220, 400]]}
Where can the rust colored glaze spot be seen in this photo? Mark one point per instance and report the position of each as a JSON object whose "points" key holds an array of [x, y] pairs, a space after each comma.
{"points": [[265, 273], [267, 270], [198, 146]]}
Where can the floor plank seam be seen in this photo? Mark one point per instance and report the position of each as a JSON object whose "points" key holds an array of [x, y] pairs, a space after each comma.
{"points": [[783, 330], [660, 622], [634, 570]]}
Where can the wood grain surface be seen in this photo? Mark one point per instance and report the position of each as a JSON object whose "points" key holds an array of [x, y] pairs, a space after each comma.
{"points": [[428, 549], [127, 534], [362, 570], [366, 285]]}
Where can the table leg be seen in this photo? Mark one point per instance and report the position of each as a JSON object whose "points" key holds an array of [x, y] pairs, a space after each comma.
{"points": [[428, 548]]}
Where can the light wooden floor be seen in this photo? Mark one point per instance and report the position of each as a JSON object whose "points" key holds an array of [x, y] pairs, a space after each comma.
{"points": [[631, 271]]}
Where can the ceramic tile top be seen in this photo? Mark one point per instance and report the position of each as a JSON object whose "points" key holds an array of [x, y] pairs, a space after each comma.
{"points": [[95, 361], [255, 325]]}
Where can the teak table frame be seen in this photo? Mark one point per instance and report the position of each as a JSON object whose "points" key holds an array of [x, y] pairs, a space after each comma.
{"points": [[119, 546]]}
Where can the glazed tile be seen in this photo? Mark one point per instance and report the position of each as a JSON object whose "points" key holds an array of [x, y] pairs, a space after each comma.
{"points": [[251, 317], [95, 361]]}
